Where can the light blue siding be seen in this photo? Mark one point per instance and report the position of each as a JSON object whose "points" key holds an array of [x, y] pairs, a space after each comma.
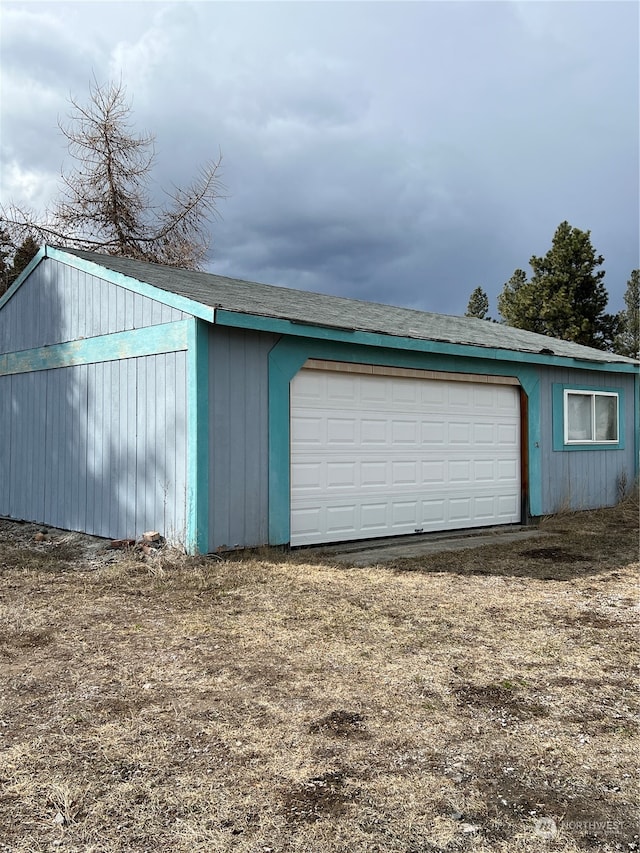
{"points": [[58, 303], [98, 447], [238, 436], [590, 478]]}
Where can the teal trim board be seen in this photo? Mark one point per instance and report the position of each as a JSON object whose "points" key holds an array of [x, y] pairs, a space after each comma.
{"points": [[151, 340], [530, 383], [197, 533], [636, 422], [180, 303], [290, 354], [285, 360], [557, 417], [393, 342]]}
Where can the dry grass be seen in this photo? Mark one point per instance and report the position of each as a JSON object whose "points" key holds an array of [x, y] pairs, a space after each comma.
{"points": [[269, 704]]}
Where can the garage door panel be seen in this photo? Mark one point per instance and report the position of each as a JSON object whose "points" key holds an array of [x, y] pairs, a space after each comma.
{"points": [[404, 473], [404, 513], [483, 470], [460, 471], [433, 471], [508, 434], [341, 475], [433, 432], [506, 400], [432, 395], [508, 505], [381, 455], [404, 393], [342, 388], [460, 395], [373, 432], [507, 470], [373, 474], [404, 432], [484, 397], [484, 508], [484, 433], [433, 514], [342, 519], [307, 430], [341, 430], [374, 517], [459, 433], [375, 391], [314, 388], [306, 521], [306, 475], [460, 510]]}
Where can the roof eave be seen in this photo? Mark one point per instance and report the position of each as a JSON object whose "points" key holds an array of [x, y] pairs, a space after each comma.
{"points": [[258, 322]]}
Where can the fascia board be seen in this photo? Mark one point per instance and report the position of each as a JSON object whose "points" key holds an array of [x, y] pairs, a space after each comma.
{"points": [[319, 332]]}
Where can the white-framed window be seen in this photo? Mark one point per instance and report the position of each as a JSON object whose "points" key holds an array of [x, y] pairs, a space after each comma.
{"points": [[590, 417]]}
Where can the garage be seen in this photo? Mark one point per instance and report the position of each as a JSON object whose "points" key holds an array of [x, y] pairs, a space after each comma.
{"points": [[230, 414], [398, 451]]}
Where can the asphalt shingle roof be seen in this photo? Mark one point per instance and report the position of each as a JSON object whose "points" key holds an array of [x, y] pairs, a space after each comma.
{"points": [[264, 300]]}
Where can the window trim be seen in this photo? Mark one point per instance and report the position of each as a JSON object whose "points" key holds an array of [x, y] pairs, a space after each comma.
{"points": [[561, 441]]}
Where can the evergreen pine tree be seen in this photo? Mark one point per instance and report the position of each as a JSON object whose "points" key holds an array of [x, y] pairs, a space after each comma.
{"points": [[478, 305], [566, 296], [627, 341]]}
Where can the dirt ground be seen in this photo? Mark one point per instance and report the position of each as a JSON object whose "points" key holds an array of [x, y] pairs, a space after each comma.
{"points": [[480, 700]]}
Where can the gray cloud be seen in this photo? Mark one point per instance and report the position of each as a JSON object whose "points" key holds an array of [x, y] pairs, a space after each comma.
{"points": [[402, 152]]}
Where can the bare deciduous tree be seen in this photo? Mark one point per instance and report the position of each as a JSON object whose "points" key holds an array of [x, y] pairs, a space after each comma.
{"points": [[104, 203], [14, 259]]}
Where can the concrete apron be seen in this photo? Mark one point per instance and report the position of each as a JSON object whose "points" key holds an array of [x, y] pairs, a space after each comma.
{"points": [[378, 551]]}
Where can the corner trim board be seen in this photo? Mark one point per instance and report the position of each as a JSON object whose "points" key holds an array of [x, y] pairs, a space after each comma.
{"points": [[197, 533]]}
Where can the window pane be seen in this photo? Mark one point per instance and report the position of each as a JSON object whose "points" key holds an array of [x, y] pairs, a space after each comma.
{"points": [[606, 418], [579, 417]]}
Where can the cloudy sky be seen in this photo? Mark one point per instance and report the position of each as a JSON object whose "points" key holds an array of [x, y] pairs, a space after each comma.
{"points": [[402, 152]]}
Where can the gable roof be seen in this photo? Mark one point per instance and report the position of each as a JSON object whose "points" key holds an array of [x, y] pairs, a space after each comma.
{"points": [[335, 312]]}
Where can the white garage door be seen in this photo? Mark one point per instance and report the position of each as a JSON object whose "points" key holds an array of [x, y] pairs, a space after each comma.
{"points": [[386, 455]]}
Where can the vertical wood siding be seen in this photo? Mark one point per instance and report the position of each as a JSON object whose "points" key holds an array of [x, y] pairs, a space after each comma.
{"points": [[584, 479], [98, 447], [238, 429], [58, 303]]}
